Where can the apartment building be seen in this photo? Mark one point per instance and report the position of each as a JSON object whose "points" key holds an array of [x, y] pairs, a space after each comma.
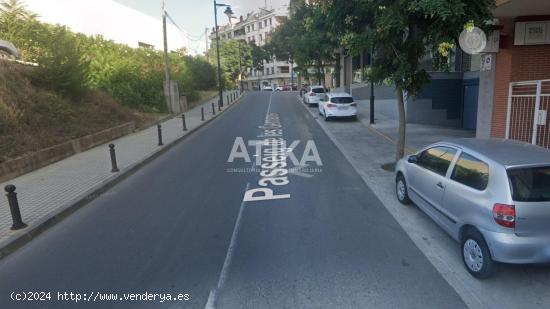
{"points": [[258, 27]]}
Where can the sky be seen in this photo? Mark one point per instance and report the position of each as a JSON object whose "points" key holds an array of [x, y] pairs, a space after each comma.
{"points": [[196, 15], [116, 21]]}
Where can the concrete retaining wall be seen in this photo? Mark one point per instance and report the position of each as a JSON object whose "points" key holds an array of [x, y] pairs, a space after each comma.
{"points": [[33, 161]]}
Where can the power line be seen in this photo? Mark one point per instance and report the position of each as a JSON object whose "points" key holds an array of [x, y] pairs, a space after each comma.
{"points": [[183, 31]]}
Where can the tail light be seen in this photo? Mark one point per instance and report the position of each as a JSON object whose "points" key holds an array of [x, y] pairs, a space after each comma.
{"points": [[330, 105], [353, 104], [312, 94], [505, 215]]}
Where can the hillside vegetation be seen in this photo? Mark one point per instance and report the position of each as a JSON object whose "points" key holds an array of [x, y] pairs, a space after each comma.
{"points": [[32, 118], [81, 84]]}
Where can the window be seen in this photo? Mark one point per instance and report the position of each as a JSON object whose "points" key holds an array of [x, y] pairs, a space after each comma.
{"points": [[247, 29], [270, 22], [265, 22], [437, 159], [342, 100], [471, 172], [261, 38], [530, 184], [260, 25], [318, 90], [252, 27]]}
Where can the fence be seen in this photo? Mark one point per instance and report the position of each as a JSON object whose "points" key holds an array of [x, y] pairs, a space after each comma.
{"points": [[526, 119]]}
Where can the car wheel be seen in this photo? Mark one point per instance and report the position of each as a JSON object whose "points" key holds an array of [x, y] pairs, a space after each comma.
{"points": [[401, 190], [476, 255]]}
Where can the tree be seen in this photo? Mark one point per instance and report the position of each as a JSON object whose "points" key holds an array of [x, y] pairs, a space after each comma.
{"points": [[304, 38], [402, 32]]}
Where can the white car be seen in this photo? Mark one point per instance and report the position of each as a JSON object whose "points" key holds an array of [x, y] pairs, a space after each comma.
{"points": [[267, 88], [280, 88], [332, 105], [313, 95]]}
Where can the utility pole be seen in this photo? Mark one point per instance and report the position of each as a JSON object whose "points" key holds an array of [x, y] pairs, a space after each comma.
{"points": [[206, 40], [240, 68], [167, 86]]}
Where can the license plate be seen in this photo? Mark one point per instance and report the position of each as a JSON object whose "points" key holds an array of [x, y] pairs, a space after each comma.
{"points": [[342, 107]]}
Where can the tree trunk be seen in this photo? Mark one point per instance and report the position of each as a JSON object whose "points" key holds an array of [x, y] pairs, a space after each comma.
{"points": [[400, 151]]}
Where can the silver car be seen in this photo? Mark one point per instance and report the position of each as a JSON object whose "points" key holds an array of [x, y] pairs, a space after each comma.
{"points": [[491, 195]]}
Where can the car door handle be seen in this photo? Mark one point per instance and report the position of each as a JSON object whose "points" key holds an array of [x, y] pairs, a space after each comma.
{"points": [[440, 185]]}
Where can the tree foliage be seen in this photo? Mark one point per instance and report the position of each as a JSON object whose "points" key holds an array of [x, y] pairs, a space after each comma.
{"points": [[402, 33], [236, 58], [305, 39]]}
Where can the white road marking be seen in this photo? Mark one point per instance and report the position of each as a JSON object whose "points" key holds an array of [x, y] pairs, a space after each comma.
{"points": [[212, 297], [269, 105]]}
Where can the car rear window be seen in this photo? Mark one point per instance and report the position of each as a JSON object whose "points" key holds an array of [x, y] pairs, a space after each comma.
{"points": [[318, 90], [342, 100], [530, 184], [471, 172]]}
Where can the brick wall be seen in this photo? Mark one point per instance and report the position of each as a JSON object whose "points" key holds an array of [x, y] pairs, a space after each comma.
{"points": [[517, 63]]}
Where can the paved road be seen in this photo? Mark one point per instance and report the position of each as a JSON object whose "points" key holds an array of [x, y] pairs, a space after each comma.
{"points": [[180, 225]]}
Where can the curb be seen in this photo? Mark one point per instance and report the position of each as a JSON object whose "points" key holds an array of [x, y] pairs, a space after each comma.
{"points": [[17, 241]]}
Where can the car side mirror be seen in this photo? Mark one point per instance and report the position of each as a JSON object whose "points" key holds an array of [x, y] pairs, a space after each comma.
{"points": [[413, 159]]}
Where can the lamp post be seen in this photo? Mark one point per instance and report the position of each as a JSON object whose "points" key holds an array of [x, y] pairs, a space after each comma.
{"points": [[371, 89], [229, 13]]}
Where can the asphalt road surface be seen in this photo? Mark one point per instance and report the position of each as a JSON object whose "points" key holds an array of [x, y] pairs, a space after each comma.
{"points": [[180, 226]]}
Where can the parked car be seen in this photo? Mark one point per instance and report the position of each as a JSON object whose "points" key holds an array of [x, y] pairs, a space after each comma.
{"points": [[313, 94], [333, 105], [8, 51], [286, 88], [491, 195], [267, 88], [279, 88]]}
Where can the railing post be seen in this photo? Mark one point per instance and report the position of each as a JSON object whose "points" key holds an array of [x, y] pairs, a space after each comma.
{"points": [[183, 122], [214, 109], [202, 113], [14, 208]]}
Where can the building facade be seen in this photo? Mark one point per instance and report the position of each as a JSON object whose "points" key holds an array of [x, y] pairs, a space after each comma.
{"points": [[515, 98], [258, 27]]}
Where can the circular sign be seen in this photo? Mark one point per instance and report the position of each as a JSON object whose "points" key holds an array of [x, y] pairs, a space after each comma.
{"points": [[472, 41]]}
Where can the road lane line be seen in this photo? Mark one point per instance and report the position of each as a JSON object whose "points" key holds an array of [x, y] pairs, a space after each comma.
{"points": [[269, 105], [212, 297]]}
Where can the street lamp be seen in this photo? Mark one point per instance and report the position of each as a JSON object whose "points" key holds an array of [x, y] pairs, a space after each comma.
{"points": [[229, 13]]}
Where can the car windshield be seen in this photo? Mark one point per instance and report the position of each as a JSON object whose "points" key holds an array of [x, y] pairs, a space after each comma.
{"points": [[318, 90], [342, 100], [530, 184]]}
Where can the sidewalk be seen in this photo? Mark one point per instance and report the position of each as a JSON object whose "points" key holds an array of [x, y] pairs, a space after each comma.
{"points": [[48, 192], [367, 149], [417, 135]]}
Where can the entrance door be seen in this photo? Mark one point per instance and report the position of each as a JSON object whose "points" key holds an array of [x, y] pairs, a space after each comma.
{"points": [[469, 116]]}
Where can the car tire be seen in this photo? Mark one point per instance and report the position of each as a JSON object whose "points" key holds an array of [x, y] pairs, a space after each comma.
{"points": [[476, 255], [325, 115], [401, 190]]}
